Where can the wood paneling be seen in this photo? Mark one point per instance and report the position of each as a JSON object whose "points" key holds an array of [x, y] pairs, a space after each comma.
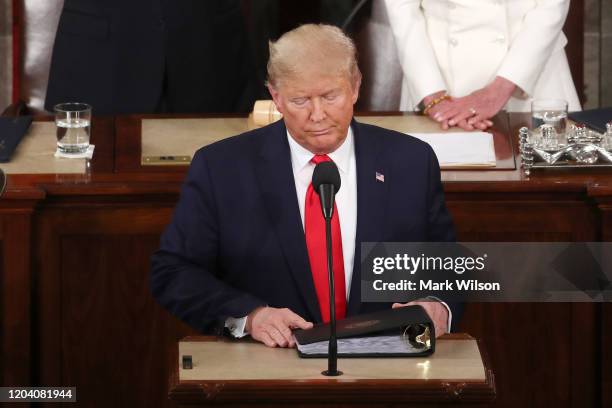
{"points": [[605, 325], [603, 197], [99, 324], [513, 220], [529, 344], [539, 352], [108, 315], [15, 287]]}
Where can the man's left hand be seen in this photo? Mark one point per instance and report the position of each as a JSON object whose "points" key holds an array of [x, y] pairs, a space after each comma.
{"points": [[437, 313]]}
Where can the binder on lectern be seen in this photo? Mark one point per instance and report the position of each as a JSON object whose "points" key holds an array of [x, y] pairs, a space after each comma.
{"points": [[401, 332]]}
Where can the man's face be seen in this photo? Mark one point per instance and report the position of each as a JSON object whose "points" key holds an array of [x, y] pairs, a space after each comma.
{"points": [[317, 109]]}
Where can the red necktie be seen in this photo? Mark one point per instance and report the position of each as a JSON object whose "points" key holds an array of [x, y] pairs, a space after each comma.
{"points": [[317, 251]]}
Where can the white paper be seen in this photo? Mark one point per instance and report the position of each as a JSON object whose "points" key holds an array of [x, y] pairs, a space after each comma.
{"points": [[461, 149], [363, 345]]}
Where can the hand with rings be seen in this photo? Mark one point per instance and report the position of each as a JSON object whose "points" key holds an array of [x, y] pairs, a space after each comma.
{"points": [[473, 111], [448, 109]]}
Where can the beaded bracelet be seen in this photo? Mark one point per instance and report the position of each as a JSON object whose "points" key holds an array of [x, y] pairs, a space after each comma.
{"points": [[435, 102]]}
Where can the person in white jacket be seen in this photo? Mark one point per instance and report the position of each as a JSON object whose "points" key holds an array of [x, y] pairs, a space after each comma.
{"points": [[465, 60]]}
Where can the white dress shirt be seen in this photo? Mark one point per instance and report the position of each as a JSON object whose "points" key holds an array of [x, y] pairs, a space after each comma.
{"points": [[346, 198]]}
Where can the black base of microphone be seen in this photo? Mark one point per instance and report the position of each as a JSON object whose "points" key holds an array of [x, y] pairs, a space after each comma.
{"points": [[330, 373]]}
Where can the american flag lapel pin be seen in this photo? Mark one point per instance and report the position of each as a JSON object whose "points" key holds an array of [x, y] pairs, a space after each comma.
{"points": [[380, 177]]}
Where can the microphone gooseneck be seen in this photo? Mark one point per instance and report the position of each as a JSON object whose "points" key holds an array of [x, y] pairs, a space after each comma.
{"points": [[326, 182]]}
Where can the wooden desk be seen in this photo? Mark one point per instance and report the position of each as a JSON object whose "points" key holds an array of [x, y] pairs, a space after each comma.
{"points": [[141, 136], [75, 260], [243, 373]]}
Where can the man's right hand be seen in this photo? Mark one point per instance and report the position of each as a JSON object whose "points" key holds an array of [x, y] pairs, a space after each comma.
{"points": [[272, 326]]}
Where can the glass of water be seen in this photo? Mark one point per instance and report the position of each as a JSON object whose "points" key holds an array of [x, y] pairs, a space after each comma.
{"points": [[549, 112], [73, 124]]}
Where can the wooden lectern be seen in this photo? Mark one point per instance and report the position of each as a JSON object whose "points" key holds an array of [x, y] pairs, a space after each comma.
{"points": [[237, 373]]}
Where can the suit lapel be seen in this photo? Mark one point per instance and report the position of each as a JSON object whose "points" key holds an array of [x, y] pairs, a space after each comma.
{"points": [[371, 198], [275, 175]]}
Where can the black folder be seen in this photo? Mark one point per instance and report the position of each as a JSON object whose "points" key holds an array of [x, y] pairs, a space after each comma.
{"points": [[595, 119], [12, 130], [409, 326]]}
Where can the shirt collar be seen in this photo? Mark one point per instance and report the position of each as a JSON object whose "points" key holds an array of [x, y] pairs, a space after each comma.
{"points": [[300, 157]]}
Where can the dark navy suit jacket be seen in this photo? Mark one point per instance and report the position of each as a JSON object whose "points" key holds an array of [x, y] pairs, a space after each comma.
{"points": [[236, 240]]}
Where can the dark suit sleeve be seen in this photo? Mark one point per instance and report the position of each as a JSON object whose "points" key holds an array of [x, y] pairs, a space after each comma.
{"points": [[186, 277], [440, 225]]}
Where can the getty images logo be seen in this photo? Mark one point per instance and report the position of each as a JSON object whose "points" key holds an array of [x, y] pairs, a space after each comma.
{"points": [[414, 264]]}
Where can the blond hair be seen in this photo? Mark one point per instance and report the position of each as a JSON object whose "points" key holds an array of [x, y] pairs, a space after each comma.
{"points": [[312, 47]]}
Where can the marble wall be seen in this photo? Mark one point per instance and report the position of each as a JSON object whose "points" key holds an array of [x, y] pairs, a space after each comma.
{"points": [[598, 53], [605, 72]]}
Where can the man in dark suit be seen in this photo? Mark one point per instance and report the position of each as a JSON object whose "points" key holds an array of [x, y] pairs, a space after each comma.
{"points": [[245, 248], [139, 56]]}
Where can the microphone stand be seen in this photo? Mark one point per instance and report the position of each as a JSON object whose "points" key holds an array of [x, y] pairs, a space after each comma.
{"points": [[332, 353]]}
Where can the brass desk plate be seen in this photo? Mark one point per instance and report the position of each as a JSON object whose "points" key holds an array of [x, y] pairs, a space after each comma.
{"points": [[165, 160]]}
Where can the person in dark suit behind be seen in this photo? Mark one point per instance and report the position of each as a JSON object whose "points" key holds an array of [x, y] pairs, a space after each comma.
{"points": [[246, 248], [144, 56]]}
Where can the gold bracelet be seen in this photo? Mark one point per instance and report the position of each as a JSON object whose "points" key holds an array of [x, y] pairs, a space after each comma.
{"points": [[435, 102]]}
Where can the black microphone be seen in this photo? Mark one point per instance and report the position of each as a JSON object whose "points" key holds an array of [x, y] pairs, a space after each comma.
{"points": [[326, 182]]}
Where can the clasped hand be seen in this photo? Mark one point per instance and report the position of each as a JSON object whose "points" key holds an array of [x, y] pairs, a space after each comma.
{"points": [[472, 111]]}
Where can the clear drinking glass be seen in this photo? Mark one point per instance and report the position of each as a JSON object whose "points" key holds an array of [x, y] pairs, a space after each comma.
{"points": [[550, 138], [73, 124], [549, 112]]}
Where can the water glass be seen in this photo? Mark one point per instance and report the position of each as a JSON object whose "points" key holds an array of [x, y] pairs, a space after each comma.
{"points": [[73, 124], [550, 140], [549, 112]]}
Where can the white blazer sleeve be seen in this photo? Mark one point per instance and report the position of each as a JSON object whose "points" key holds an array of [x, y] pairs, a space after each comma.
{"points": [[535, 42], [416, 55]]}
